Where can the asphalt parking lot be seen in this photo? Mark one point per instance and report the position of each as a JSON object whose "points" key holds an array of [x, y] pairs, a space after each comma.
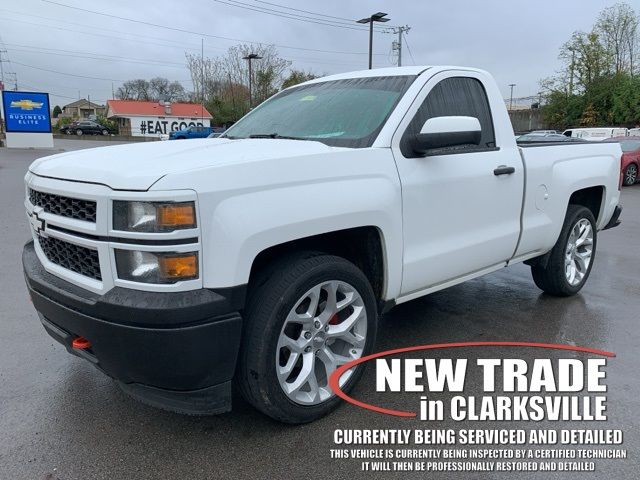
{"points": [[61, 418]]}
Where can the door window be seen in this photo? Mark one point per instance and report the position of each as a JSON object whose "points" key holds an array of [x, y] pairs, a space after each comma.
{"points": [[455, 96]]}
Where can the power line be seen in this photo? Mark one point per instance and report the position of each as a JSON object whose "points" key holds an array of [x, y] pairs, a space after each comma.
{"points": [[306, 11], [406, 42], [93, 27], [93, 56], [202, 34], [55, 94], [305, 59], [75, 31], [291, 16], [69, 74]]}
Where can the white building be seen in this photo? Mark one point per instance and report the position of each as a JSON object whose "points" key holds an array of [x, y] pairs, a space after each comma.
{"points": [[153, 119]]}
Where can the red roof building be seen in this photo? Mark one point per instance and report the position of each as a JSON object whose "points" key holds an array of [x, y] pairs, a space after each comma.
{"points": [[155, 119]]}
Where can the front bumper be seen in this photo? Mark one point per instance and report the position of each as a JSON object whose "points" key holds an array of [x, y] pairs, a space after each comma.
{"points": [[174, 350]]}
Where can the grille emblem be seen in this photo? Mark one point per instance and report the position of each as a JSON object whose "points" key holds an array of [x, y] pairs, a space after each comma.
{"points": [[37, 223]]}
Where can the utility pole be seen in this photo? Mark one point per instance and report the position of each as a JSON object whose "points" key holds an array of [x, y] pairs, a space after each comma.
{"points": [[396, 46], [249, 58], [2, 66], [511, 98], [202, 83], [376, 17]]}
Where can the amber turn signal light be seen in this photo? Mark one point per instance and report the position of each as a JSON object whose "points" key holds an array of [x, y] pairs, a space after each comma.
{"points": [[182, 267], [176, 215]]}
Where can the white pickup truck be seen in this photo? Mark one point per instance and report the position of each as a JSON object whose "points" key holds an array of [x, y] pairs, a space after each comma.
{"points": [[265, 257]]}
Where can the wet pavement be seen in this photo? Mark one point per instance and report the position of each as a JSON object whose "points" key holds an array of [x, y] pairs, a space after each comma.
{"points": [[61, 418]]}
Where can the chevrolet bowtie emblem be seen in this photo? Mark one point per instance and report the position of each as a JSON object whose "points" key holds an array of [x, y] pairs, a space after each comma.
{"points": [[26, 104], [37, 224]]}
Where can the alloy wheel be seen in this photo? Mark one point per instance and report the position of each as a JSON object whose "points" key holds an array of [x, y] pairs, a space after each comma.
{"points": [[631, 174], [578, 252], [326, 328]]}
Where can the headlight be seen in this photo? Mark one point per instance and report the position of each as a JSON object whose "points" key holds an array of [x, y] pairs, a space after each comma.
{"points": [[152, 267], [153, 216]]}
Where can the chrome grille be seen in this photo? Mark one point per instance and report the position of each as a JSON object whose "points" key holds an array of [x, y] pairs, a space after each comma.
{"points": [[73, 257], [64, 206]]}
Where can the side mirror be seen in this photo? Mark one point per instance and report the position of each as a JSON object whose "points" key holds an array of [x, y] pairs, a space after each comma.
{"points": [[440, 132]]}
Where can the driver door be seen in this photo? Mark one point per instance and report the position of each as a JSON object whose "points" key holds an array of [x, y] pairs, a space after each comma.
{"points": [[460, 217]]}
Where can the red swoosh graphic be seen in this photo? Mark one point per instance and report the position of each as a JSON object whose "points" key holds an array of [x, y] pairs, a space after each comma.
{"points": [[335, 376]]}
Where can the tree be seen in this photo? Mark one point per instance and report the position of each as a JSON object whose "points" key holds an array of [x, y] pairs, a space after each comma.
{"points": [[589, 117], [221, 83], [157, 89], [617, 26], [585, 59], [297, 76], [597, 85], [161, 88], [56, 111]]}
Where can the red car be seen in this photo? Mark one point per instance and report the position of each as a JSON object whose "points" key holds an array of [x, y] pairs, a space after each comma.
{"points": [[630, 158]]}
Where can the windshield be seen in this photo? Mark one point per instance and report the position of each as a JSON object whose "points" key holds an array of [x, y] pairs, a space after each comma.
{"points": [[345, 113]]}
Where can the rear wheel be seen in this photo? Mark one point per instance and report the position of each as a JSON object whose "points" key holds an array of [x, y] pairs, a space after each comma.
{"points": [[571, 259], [631, 174], [309, 315]]}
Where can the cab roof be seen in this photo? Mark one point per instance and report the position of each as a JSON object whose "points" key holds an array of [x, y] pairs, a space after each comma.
{"points": [[389, 72]]}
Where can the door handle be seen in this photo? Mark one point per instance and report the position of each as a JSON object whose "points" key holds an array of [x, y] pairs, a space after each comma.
{"points": [[504, 170]]}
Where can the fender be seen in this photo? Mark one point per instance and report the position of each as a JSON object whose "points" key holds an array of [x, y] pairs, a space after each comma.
{"points": [[249, 207]]}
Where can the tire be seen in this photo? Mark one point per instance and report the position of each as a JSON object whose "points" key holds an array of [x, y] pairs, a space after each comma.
{"points": [[556, 277], [105, 132], [630, 174], [79, 132], [271, 300]]}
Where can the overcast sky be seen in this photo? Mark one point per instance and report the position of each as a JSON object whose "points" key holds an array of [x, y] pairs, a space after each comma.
{"points": [[515, 40]]}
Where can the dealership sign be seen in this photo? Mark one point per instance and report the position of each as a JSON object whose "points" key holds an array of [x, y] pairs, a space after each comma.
{"points": [[156, 126], [26, 112]]}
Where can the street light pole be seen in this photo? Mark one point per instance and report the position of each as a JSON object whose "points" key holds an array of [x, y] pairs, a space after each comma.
{"points": [[249, 58], [376, 17], [511, 97]]}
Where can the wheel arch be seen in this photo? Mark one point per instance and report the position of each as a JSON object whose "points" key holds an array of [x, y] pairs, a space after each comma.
{"points": [[591, 198], [362, 246]]}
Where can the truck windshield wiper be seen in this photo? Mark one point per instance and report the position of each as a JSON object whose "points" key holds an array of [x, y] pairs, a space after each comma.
{"points": [[275, 135]]}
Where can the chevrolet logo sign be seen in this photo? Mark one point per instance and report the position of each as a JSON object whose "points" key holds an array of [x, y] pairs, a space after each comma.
{"points": [[26, 104], [38, 224]]}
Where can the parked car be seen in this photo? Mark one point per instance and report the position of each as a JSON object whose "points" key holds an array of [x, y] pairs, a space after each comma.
{"points": [[194, 131], [84, 127], [263, 260], [630, 161], [595, 134]]}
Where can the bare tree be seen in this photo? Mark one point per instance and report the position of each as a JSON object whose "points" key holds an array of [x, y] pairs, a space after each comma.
{"points": [[156, 89], [213, 76], [161, 88], [617, 26]]}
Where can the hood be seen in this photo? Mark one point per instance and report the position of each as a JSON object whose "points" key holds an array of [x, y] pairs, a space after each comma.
{"points": [[138, 166]]}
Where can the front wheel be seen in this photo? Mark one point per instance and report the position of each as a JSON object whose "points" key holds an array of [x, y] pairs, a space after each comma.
{"points": [[308, 315], [571, 258], [79, 132], [105, 132], [631, 174]]}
